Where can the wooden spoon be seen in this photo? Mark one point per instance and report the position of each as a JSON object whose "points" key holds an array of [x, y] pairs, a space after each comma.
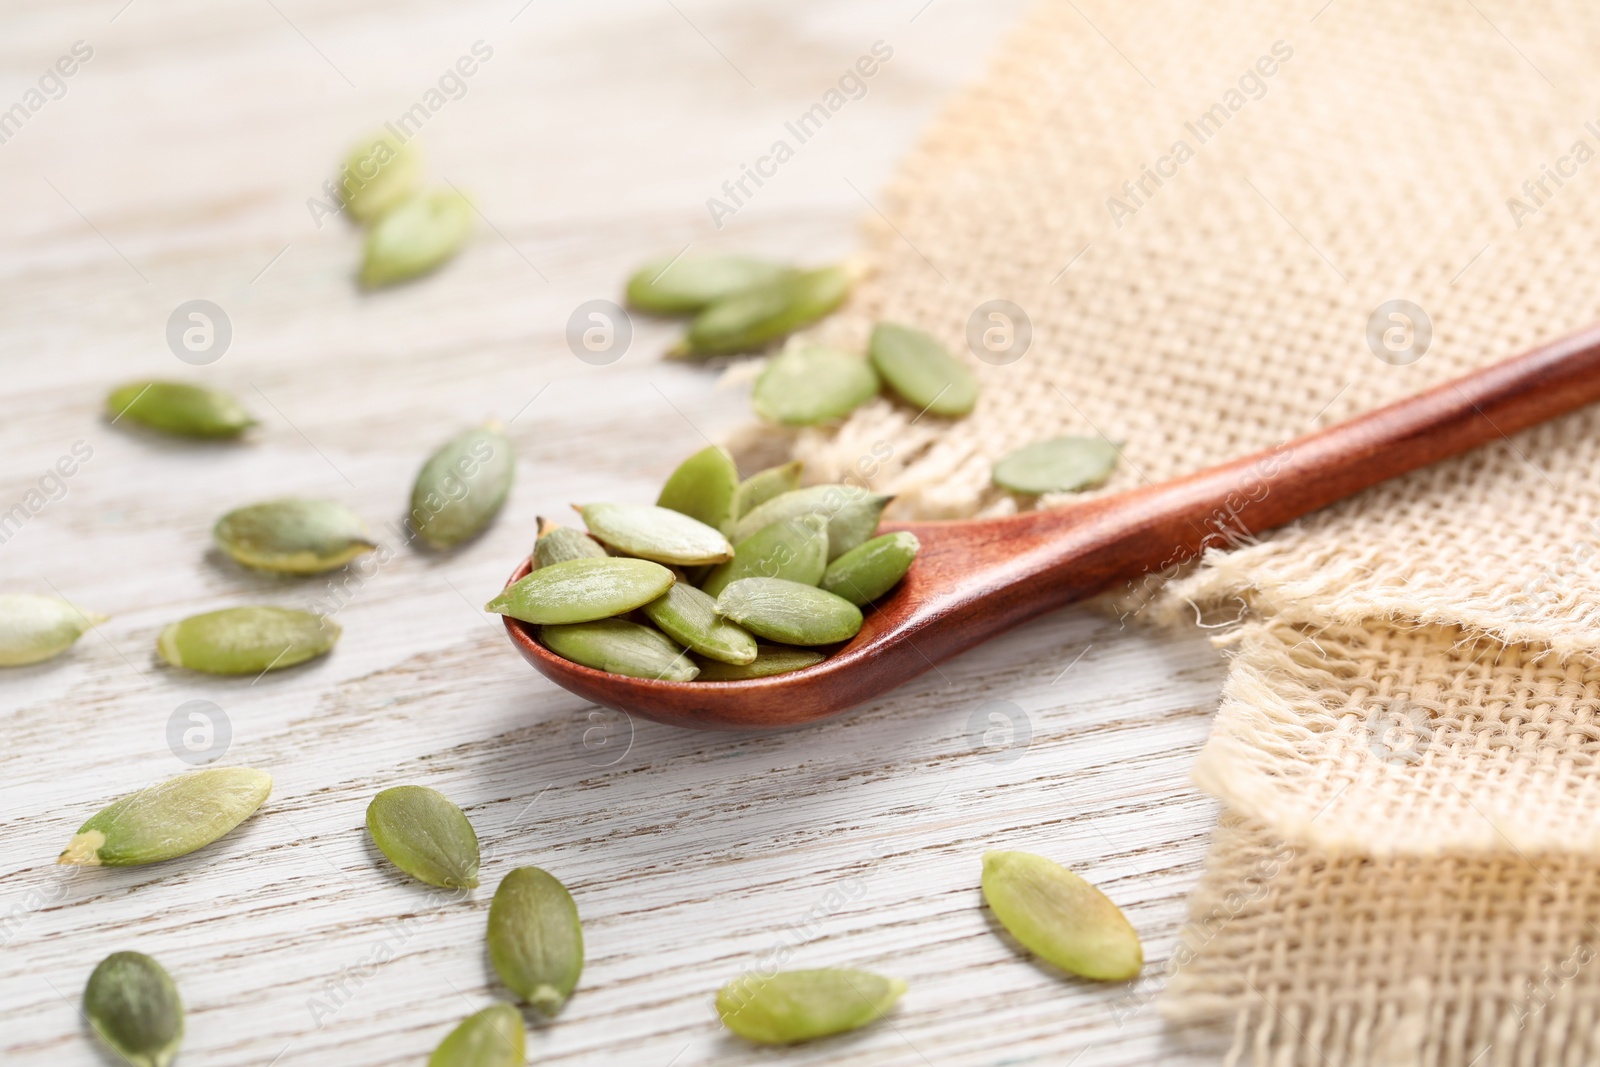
{"points": [[973, 579]]}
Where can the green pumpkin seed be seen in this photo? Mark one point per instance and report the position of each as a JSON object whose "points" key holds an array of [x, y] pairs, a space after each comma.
{"points": [[762, 486], [690, 618], [170, 819], [246, 640], [793, 1006], [789, 612], [293, 536], [425, 835], [796, 549], [922, 371], [134, 1007], [379, 174], [770, 659], [679, 286], [36, 628], [620, 647], [535, 939], [557, 544], [494, 1037], [870, 570], [656, 533], [416, 237], [702, 488], [755, 317], [463, 486], [1060, 917], [811, 384], [852, 514], [1064, 465], [582, 590], [179, 408]]}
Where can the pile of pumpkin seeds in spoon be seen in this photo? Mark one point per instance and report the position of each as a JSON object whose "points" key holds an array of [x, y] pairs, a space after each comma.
{"points": [[719, 580]]}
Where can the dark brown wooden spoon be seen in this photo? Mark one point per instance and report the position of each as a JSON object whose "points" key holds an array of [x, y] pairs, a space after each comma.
{"points": [[976, 578]]}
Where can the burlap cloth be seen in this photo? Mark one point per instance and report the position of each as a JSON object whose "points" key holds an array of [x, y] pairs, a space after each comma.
{"points": [[1410, 722]]}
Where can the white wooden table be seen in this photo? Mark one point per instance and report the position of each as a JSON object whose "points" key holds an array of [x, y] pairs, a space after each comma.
{"points": [[177, 166]]}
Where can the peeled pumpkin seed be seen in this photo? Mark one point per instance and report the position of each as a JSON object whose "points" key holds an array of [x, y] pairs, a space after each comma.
{"points": [[762, 486], [871, 569], [179, 408], [293, 536], [379, 174], [789, 612], [36, 628], [1064, 465], [494, 1037], [132, 1004], [812, 384], [463, 486], [557, 544], [170, 819], [796, 549], [793, 1006], [679, 286], [770, 659], [620, 647], [246, 640], [582, 590], [754, 317], [703, 487], [416, 236], [852, 514], [656, 533], [535, 938], [690, 618], [922, 371], [1060, 917], [425, 835]]}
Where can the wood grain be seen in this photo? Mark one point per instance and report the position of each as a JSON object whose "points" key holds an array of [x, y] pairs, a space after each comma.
{"points": [[177, 166]]}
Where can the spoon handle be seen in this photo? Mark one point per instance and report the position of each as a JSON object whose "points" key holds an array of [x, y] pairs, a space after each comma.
{"points": [[1144, 535]]}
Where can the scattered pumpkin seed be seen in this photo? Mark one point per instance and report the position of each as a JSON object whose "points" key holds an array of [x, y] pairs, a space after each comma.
{"points": [[620, 647], [852, 514], [811, 384], [379, 174], [754, 317], [762, 486], [1060, 917], [416, 237], [36, 628], [493, 1037], [690, 618], [463, 486], [246, 640], [179, 408], [293, 536], [656, 533], [134, 1007], [170, 819], [557, 544], [678, 286], [789, 612], [872, 568], [770, 659], [1064, 465], [582, 590], [922, 371], [793, 1006], [535, 939], [425, 835], [702, 488], [796, 549]]}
